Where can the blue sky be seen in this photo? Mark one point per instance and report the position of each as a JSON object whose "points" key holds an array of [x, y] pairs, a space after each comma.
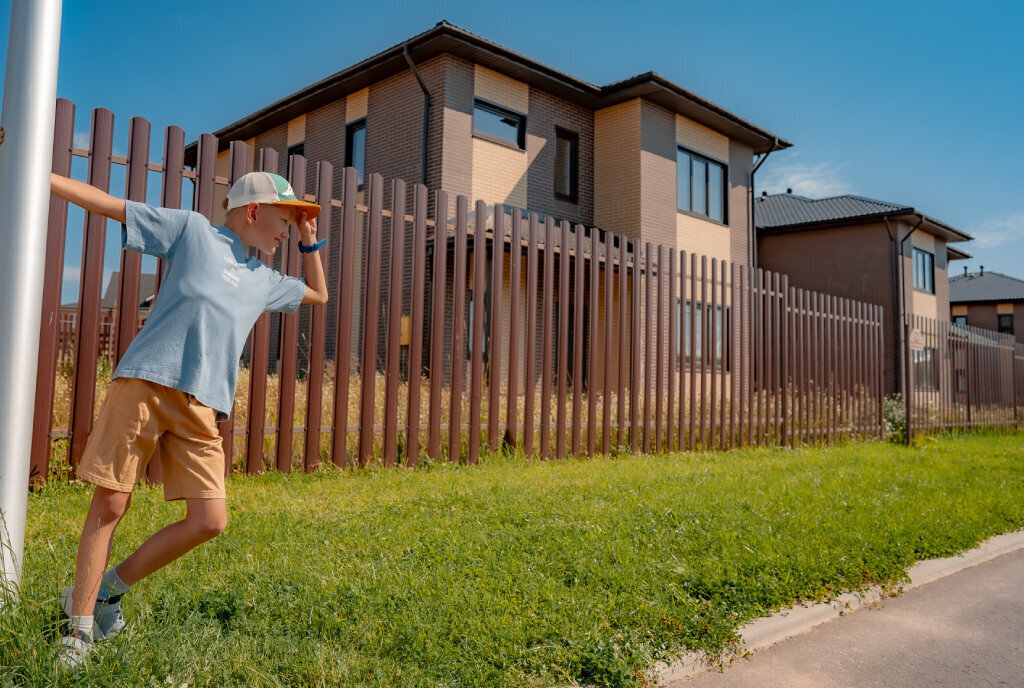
{"points": [[918, 103]]}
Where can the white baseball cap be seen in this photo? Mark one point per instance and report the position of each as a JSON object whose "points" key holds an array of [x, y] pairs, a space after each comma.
{"points": [[267, 187]]}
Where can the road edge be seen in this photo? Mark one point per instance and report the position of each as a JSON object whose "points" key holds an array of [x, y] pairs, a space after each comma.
{"points": [[764, 632]]}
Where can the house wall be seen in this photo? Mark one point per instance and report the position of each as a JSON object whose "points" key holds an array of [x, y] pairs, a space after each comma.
{"points": [[986, 316], [852, 261], [694, 233], [617, 140]]}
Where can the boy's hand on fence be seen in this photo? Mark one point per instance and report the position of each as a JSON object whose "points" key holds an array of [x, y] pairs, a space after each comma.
{"points": [[307, 228]]}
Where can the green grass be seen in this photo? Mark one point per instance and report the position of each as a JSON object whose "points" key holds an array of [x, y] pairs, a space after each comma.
{"points": [[510, 573]]}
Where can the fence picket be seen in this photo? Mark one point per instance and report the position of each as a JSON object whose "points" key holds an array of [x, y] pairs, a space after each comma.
{"points": [[393, 331], [458, 330], [289, 331], [371, 314], [417, 300], [437, 329], [318, 328], [494, 359], [50, 322], [477, 334]]}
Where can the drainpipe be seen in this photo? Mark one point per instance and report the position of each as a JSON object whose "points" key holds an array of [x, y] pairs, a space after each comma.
{"points": [[907, 386], [752, 250], [903, 276], [426, 111], [897, 326]]}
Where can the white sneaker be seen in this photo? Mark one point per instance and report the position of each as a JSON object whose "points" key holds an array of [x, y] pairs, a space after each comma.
{"points": [[74, 649], [107, 618]]}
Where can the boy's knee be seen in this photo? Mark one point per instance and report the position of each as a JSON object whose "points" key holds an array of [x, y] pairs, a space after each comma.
{"points": [[209, 526], [109, 505]]}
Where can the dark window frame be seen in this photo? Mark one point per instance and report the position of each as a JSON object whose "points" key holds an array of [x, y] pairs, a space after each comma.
{"points": [[350, 129], [960, 320], [300, 147], [495, 109], [924, 278], [1005, 329], [707, 160], [574, 164]]}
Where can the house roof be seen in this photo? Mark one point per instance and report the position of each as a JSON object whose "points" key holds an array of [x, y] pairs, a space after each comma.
{"points": [[790, 211], [147, 288], [448, 38], [985, 287]]}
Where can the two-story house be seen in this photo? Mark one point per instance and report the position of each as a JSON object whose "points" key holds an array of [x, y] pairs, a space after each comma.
{"points": [[643, 158], [874, 251]]}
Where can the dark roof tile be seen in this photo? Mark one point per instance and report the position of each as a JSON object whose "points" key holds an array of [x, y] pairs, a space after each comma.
{"points": [[990, 286]]}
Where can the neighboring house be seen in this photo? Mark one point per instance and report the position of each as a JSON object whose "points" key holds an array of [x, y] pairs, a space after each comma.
{"points": [[643, 157], [852, 246], [108, 312], [988, 300]]}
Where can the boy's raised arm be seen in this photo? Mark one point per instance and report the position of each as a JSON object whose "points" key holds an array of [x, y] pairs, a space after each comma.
{"points": [[85, 196], [88, 197]]}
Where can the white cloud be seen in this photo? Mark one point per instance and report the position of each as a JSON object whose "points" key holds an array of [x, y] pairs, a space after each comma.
{"points": [[81, 140], [999, 232], [815, 181], [72, 273]]}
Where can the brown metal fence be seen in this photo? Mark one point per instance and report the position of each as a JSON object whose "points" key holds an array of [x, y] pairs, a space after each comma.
{"points": [[510, 330], [961, 377]]}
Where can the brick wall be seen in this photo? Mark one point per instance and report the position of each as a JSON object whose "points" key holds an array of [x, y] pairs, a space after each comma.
{"points": [[546, 113], [852, 262], [617, 168]]}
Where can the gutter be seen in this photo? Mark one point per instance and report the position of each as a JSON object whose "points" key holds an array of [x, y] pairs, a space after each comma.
{"points": [[752, 243], [426, 111]]}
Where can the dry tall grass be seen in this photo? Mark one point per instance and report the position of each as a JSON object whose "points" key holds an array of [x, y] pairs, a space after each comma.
{"points": [[749, 420]]}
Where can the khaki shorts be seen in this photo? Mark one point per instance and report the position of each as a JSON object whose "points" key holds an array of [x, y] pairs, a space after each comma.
{"points": [[136, 418]]}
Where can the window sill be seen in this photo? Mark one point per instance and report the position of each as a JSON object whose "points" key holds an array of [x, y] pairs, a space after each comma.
{"points": [[500, 141], [698, 216], [567, 199], [924, 291]]}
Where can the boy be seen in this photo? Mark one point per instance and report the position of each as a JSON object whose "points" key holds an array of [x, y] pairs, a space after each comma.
{"points": [[177, 378]]}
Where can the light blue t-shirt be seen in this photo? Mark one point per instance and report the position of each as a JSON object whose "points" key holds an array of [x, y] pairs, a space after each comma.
{"points": [[210, 297]]}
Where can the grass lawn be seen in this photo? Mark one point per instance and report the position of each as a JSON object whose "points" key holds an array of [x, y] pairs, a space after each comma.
{"points": [[510, 573]]}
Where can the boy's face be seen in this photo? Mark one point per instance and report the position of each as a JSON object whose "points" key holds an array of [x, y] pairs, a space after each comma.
{"points": [[269, 226]]}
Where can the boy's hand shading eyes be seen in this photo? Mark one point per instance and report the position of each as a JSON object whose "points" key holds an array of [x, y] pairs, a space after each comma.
{"points": [[307, 228]]}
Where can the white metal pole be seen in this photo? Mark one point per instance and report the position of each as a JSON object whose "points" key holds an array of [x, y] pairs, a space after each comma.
{"points": [[30, 92]]}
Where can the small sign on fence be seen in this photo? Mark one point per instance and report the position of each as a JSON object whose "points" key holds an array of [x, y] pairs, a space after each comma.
{"points": [[916, 340]]}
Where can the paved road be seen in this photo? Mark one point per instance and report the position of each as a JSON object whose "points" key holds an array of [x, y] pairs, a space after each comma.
{"points": [[962, 631]]}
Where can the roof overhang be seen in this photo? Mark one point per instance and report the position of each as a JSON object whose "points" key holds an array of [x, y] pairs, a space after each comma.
{"points": [[659, 90], [947, 233], [445, 38], [953, 253]]}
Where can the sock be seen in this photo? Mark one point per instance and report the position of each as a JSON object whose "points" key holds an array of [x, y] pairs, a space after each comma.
{"points": [[83, 626], [112, 585]]}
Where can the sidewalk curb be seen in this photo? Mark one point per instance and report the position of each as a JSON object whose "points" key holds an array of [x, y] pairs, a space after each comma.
{"points": [[761, 633]]}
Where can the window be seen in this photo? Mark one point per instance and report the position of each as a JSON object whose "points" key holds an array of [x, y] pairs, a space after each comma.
{"points": [[924, 271], [355, 148], [297, 149], [700, 185], [960, 320], [1006, 324], [495, 122], [683, 333], [925, 370], [567, 146]]}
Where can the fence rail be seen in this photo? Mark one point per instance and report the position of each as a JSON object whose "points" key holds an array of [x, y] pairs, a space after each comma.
{"points": [[453, 327]]}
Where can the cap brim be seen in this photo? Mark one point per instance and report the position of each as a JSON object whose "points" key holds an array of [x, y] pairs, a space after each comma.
{"points": [[312, 208]]}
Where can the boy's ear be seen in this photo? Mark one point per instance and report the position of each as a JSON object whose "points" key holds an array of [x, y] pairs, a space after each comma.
{"points": [[250, 211]]}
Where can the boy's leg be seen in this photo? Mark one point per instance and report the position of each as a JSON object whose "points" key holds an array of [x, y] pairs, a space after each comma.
{"points": [[105, 512], [204, 520]]}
